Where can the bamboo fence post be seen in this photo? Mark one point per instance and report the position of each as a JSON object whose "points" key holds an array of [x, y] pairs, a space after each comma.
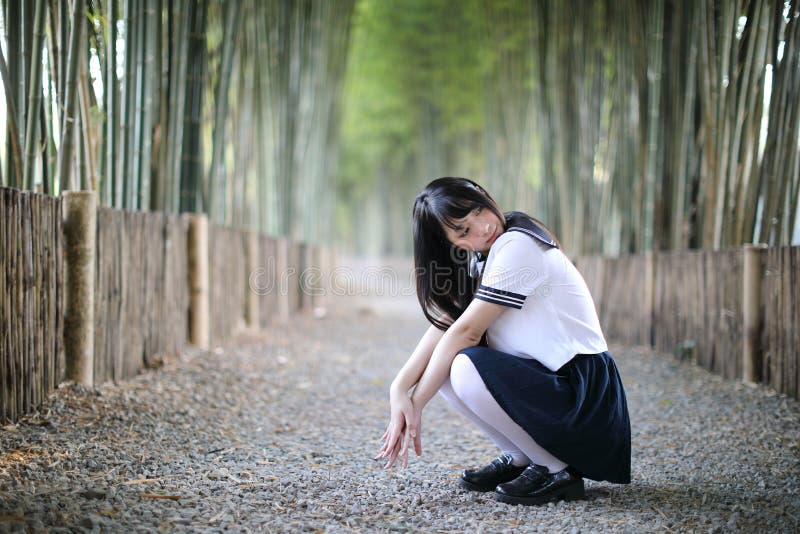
{"points": [[197, 244], [282, 274], [318, 297], [751, 312], [80, 227], [296, 258], [326, 257], [252, 298]]}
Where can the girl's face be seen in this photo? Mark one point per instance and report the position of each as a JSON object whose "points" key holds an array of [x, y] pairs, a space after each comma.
{"points": [[477, 231]]}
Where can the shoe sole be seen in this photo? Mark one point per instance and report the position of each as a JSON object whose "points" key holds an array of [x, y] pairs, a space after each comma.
{"points": [[573, 492]]}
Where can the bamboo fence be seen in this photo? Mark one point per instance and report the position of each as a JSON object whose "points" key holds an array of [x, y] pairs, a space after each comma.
{"points": [[265, 280], [141, 294], [291, 277], [140, 308], [31, 300], [630, 316], [780, 337], [228, 281], [618, 288], [698, 308], [679, 315]]}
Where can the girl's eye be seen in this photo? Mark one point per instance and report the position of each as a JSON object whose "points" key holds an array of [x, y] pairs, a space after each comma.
{"points": [[464, 234], [478, 209]]}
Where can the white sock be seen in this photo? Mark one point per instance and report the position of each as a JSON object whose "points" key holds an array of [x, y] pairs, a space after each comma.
{"points": [[518, 457], [468, 387]]}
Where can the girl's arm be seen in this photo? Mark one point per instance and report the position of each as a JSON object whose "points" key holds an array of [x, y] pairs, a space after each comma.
{"points": [[400, 405], [465, 332], [413, 368]]}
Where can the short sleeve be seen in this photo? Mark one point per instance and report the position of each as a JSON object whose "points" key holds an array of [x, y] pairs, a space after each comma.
{"points": [[514, 272]]}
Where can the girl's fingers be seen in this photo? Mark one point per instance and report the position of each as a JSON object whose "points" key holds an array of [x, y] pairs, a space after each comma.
{"points": [[404, 450], [391, 441], [396, 441], [406, 441], [392, 457], [387, 447], [382, 451], [395, 452]]}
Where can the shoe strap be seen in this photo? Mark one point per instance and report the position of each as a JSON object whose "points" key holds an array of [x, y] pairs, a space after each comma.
{"points": [[505, 459], [535, 472]]}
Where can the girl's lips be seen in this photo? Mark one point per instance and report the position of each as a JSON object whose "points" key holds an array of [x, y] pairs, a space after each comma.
{"points": [[491, 238]]}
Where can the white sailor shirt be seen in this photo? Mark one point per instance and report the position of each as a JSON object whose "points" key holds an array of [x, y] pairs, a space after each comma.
{"points": [[551, 315]]}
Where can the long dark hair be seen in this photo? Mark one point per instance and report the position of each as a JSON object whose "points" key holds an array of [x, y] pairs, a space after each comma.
{"points": [[444, 287]]}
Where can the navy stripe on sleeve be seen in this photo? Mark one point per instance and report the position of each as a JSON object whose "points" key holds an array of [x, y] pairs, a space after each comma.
{"points": [[498, 296]]}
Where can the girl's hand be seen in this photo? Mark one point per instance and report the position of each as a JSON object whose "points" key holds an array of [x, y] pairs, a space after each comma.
{"points": [[403, 427]]}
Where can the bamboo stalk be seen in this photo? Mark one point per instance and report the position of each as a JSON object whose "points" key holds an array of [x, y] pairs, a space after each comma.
{"points": [[150, 24], [53, 46], [177, 96], [111, 90], [63, 54], [67, 131], [782, 121], [653, 104], [679, 216], [139, 45], [17, 175], [88, 176], [25, 58], [216, 174], [727, 79], [128, 103], [158, 197], [242, 205], [50, 97], [34, 94], [191, 159]]}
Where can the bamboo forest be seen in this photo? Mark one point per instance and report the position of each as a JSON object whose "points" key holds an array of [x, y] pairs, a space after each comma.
{"points": [[255, 253], [626, 125]]}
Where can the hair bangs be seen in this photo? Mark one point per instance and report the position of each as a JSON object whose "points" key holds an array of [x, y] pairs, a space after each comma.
{"points": [[454, 210]]}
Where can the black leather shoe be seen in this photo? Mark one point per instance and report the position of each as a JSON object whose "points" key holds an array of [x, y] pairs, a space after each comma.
{"points": [[488, 477], [536, 486]]}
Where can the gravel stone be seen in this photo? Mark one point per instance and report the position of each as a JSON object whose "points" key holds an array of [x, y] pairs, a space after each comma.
{"points": [[276, 433]]}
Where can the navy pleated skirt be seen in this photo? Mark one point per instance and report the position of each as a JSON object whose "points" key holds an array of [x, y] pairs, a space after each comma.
{"points": [[578, 413]]}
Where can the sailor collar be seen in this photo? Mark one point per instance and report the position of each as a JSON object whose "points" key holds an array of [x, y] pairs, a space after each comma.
{"points": [[516, 221]]}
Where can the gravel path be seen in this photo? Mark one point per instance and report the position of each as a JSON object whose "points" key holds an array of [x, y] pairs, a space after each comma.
{"points": [[278, 434]]}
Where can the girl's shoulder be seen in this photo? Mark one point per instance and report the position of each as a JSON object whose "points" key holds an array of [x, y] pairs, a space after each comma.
{"points": [[514, 249], [517, 240]]}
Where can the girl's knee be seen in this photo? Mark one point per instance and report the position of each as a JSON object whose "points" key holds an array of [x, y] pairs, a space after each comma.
{"points": [[460, 367], [462, 376]]}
